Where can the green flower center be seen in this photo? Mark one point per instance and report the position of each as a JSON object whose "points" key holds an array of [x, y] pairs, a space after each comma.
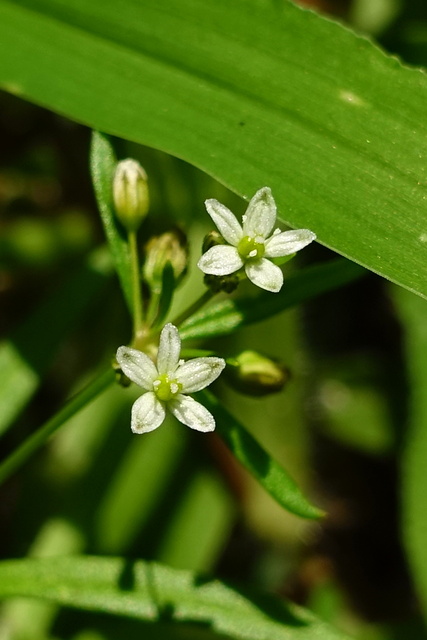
{"points": [[166, 389], [251, 248]]}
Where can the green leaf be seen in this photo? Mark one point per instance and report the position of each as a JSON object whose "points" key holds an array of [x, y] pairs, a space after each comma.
{"points": [[151, 592], [413, 313], [254, 93], [229, 314], [26, 356], [103, 164], [275, 480]]}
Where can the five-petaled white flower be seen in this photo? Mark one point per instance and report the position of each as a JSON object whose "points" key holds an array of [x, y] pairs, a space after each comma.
{"points": [[166, 385], [251, 245]]}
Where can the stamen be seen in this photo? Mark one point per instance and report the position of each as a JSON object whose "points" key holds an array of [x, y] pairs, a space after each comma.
{"points": [[251, 248], [166, 389]]}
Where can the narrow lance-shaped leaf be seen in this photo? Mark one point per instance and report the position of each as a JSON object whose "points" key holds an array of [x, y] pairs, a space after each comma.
{"points": [[147, 591], [269, 473], [253, 92], [228, 315], [103, 163]]}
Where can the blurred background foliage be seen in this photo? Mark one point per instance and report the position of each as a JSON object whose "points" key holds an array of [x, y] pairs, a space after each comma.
{"points": [[348, 426]]}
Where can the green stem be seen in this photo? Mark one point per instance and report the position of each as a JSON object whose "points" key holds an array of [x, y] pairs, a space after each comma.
{"points": [[136, 284], [204, 298], [39, 437], [153, 307]]}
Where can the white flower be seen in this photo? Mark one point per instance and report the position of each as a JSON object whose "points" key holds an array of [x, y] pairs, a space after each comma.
{"points": [[251, 245], [166, 385]]}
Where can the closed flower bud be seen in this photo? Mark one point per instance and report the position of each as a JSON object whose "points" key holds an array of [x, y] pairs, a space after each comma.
{"points": [[212, 239], [130, 194], [121, 378], [170, 247], [255, 375]]}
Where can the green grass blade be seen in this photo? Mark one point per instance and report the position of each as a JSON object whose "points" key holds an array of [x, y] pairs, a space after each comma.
{"points": [[229, 314], [269, 473], [254, 93], [151, 592]]}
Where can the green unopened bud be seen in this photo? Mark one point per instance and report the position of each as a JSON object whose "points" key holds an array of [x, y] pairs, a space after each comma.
{"points": [[130, 194], [257, 375], [212, 239], [121, 378], [170, 247]]}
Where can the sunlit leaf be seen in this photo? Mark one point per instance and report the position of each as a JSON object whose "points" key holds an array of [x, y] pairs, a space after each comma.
{"points": [[269, 473], [147, 591], [253, 92]]}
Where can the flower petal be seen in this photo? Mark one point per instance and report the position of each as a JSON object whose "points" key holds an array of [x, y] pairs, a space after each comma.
{"points": [[265, 274], [287, 242], [148, 413], [220, 261], [137, 366], [225, 220], [198, 373], [192, 413], [169, 349], [260, 215]]}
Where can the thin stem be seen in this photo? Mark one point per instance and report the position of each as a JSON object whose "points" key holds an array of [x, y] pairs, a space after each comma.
{"points": [[39, 437], [136, 284], [153, 308], [198, 304]]}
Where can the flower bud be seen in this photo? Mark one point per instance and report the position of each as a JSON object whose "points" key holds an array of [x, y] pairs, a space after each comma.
{"points": [[256, 375], [170, 247], [121, 378], [130, 194], [212, 239]]}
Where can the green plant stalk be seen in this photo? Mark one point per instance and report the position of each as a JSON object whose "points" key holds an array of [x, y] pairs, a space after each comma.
{"points": [[198, 304], [18, 457], [153, 307], [138, 306]]}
